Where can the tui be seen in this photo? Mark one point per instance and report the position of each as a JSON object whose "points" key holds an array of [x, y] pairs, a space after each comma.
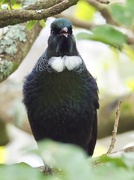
{"points": [[60, 95]]}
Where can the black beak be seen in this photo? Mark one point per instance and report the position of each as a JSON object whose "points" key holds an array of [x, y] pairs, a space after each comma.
{"points": [[64, 32]]}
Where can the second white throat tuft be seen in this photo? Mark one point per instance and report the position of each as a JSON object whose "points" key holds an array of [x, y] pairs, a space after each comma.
{"points": [[60, 63]]}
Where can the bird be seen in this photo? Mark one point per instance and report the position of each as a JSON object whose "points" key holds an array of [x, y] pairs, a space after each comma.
{"points": [[60, 95]]}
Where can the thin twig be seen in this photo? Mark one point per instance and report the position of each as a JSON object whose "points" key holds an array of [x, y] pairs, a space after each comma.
{"points": [[120, 152], [114, 132]]}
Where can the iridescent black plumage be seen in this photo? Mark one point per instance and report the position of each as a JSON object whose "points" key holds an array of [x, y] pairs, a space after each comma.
{"points": [[62, 105]]}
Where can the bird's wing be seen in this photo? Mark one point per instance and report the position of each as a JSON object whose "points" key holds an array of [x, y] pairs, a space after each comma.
{"points": [[92, 142], [95, 99]]}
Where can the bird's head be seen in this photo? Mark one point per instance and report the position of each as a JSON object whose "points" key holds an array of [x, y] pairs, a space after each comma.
{"points": [[61, 27], [61, 41]]}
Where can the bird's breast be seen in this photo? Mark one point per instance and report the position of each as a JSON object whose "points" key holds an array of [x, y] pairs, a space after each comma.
{"points": [[67, 88]]}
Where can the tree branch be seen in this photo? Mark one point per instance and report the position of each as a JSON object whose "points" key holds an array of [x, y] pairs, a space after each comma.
{"points": [[14, 46], [12, 17], [103, 10], [114, 132]]}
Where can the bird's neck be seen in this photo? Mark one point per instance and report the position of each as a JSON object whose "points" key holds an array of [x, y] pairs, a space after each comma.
{"points": [[62, 47]]}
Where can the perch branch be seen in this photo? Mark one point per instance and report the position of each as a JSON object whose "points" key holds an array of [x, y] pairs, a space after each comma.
{"points": [[12, 17], [114, 132]]}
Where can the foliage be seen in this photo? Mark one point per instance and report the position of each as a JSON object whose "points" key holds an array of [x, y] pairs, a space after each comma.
{"points": [[19, 171], [115, 29], [106, 34], [123, 14], [72, 163]]}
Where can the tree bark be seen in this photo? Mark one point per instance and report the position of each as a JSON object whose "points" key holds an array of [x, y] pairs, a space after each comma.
{"points": [[34, 12], [15, 44]]}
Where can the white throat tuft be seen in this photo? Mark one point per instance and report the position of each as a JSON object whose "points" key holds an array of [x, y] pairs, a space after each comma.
{"points": [[72, 62], [69, 62], [57, 63]]}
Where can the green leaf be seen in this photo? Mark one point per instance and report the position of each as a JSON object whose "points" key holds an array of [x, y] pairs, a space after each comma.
{"points": [[31, 24], [42, 23], [109, 172], [117, 161], [84, 11], [19, 171], [71, 159], [114, 168], [123, 13], [106, 34]]}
